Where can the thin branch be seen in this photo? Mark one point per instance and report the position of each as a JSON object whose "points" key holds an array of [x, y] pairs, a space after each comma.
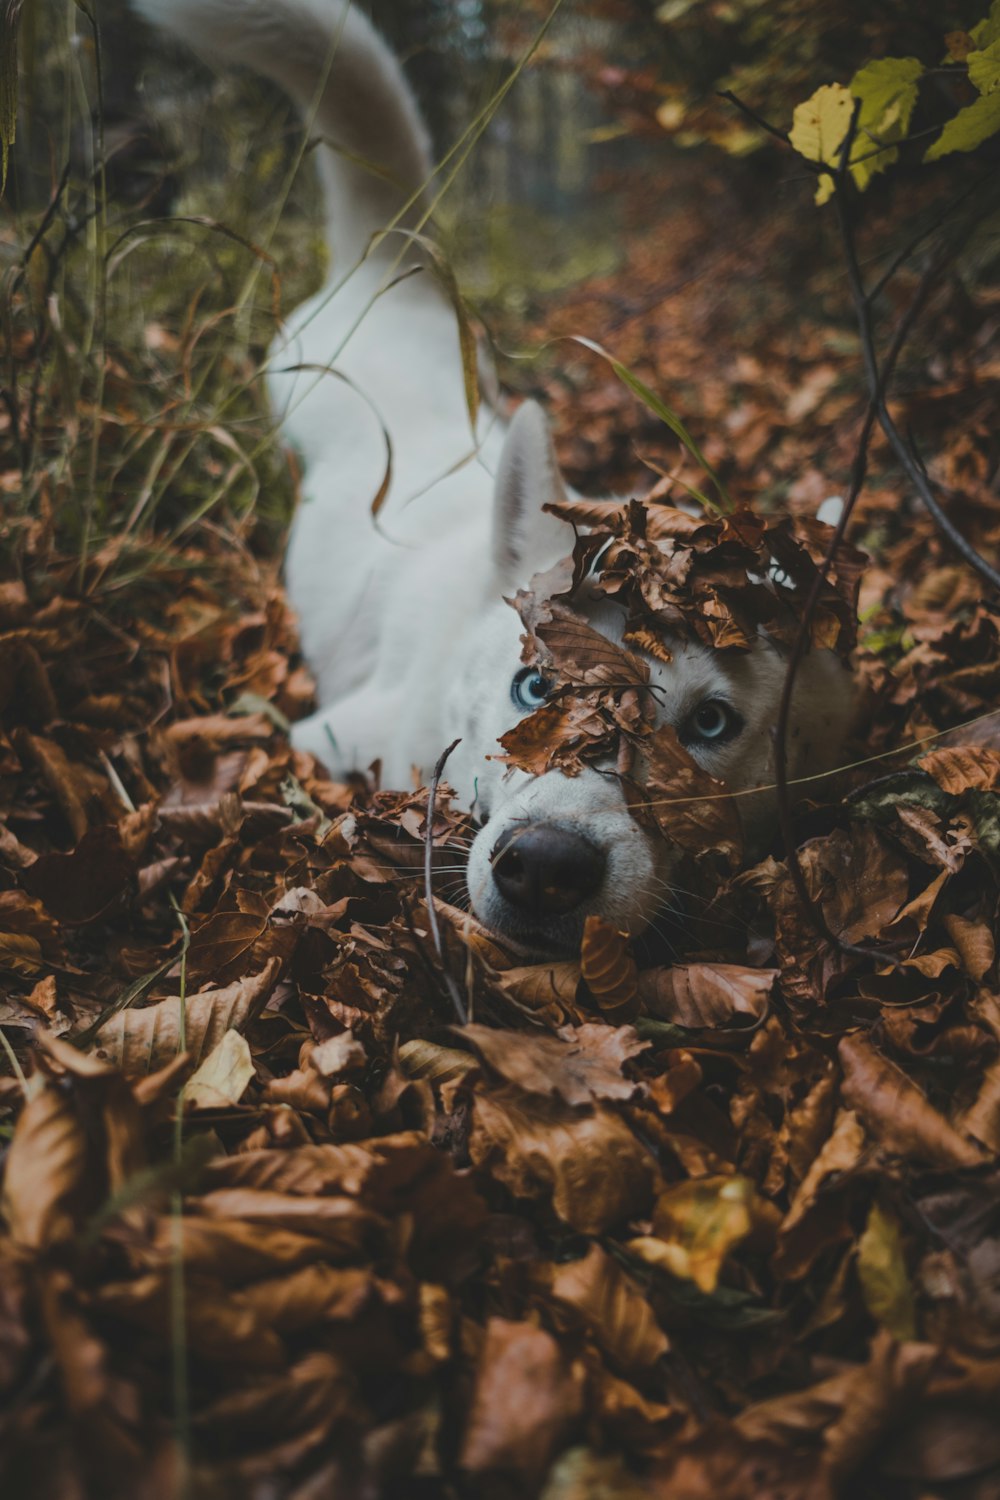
{"points": [[453, 989], [779, 135], [858, 473], [904, 454]]}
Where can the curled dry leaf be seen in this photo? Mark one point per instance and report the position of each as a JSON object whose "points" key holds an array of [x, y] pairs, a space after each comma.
{"points": [[842, 1418], [44, 1171], [964, 768], [582, 655], [609, 969], [708, 995], [554, 737], [223, 1076], [546, 992], [691, 808], [809, 1225], [975, 944]]}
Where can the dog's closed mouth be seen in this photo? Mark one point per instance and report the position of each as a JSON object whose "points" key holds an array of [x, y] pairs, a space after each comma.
{"points": [[536, 944]]}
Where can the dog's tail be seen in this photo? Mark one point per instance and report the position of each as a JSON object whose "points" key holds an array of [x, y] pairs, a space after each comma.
{"points": [[375, 153]]}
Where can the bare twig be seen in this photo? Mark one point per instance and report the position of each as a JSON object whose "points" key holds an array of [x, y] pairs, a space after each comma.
{"points": [[452, 987], [858, 474], [779, 135], [905, 455]]}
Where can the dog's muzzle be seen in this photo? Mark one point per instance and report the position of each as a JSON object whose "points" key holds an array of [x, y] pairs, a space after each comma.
{"points": [[557, 850], [546, 871]]}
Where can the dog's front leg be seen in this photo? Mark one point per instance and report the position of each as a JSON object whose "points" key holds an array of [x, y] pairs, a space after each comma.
{"points": [[353, 733]]}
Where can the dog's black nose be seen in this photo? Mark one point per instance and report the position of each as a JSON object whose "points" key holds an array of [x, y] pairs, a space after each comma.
{"points": [[546, 870]]}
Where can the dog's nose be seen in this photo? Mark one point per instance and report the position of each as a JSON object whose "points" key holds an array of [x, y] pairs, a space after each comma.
{"points": [[545, 869]]}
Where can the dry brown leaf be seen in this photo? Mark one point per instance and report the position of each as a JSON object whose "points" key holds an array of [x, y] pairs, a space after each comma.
{"points": [[140, 1041], [806, 1228], [589, 1164], [612, 1308], [583, 655], [974, 942], [45, 1171], [223, 1076], [546, 990], [690, 807], [841, 1418], [698, 1224], [554, 736], [710, 995], [527, 1397], [897, 1114], [963, 768], [581, 1064], [609, 969]]}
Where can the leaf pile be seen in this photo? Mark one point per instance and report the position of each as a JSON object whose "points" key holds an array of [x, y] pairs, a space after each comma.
{"points": [[720, 1225], [715, 1214]]}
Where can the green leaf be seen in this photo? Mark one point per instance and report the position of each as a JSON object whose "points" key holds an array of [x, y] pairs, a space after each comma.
{"points": [[887, 89], [985, 810], [987, 30], [984, 67], [883, 1276], [877, 802], [970, 127]]}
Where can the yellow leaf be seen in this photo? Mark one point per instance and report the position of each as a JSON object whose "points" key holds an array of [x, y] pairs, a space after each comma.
{"points": [[824, 189], [223, 1076], [698, 1223], [882, 1273], [820, 124]]}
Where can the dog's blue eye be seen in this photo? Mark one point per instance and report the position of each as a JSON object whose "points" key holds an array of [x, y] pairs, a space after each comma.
{"points": [[529, 688], [713, 722]]}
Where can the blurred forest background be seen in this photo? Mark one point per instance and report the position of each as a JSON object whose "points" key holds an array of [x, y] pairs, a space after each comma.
{"points": [[614, 194]]}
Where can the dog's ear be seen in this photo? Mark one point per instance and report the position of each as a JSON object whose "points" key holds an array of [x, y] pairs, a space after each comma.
{"points": [[525, 537]]}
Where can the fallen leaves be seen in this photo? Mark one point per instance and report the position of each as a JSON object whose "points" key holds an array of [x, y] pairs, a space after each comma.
{"points": [[714, 1214]]}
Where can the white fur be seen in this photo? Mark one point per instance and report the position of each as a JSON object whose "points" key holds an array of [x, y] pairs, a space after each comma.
{"points": [[404, 624]]}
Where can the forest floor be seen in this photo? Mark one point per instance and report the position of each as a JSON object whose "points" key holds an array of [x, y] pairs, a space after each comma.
{"points": [[274, 1223]]}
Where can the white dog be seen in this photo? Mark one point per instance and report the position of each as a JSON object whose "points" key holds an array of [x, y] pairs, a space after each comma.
{"points": [[404, 623]]}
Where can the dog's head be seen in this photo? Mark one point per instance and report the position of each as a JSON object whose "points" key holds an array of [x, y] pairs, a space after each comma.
{"points": [[554, 848]]}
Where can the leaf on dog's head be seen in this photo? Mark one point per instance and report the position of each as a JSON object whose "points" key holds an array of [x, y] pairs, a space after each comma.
{"points": [[583, 656], [554, 736], [689, 806]]}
